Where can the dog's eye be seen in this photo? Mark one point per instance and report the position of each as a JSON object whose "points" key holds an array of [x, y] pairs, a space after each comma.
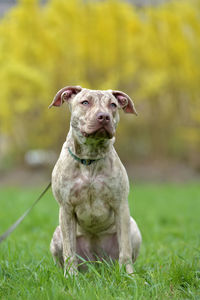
{"points": [[85, 102], [113, 105]]}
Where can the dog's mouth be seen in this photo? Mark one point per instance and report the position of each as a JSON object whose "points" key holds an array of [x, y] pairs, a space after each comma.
{"points": [[100, 133]]}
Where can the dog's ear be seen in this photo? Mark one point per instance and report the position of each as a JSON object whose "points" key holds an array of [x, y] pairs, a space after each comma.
{"points": [[64, 95], [125, 102]]}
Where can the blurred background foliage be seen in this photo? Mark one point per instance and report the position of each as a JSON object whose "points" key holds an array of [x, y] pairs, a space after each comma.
{"points": [[151, 53]]}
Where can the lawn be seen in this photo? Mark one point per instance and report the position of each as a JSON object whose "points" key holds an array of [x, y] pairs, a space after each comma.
{"points": [[168, 266]]}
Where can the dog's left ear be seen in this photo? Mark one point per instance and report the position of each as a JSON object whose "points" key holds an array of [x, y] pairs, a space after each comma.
{"points": [[64, 95], [125, 102]]}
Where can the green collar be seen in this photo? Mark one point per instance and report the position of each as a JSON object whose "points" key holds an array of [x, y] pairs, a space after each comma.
{"points": [[83, 161]]}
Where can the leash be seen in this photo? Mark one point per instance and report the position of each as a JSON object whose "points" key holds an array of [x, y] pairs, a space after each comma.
{"points": [[12, 228]]}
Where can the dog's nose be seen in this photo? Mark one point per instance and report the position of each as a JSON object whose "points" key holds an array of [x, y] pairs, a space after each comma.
{"points": [[103, 118]]}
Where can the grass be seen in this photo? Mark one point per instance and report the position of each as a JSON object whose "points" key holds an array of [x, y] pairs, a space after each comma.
{"points": [[168, 266]]}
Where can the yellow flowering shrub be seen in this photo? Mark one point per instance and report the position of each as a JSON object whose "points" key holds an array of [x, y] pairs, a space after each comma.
{"points": [[151, 53]]}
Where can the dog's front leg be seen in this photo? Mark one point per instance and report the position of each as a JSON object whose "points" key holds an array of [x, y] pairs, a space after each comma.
{"points": [[68, 229], [124, 237]]}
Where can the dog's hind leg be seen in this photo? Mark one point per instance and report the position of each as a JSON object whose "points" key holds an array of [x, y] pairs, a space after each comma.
{"points": [[136, 239], [56, 247]]}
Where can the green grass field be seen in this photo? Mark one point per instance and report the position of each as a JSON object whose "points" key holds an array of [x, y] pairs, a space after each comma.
{"points": [[168, 266]]}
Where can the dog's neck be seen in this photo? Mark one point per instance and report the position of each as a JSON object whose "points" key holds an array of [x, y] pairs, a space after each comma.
{"points": [[86, 148]]}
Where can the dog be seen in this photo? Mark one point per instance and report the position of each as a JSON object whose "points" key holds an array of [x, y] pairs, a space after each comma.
{"points": [[91, 185]]}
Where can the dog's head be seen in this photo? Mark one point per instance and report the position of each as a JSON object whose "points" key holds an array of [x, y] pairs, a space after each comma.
{"points": [[94, 113]]}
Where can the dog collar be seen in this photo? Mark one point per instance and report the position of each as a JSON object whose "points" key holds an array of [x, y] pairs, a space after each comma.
{"points": [[83, 161]]}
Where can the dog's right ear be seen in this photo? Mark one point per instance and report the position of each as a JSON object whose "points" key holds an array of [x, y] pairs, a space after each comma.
{"points": [[64, 95]]}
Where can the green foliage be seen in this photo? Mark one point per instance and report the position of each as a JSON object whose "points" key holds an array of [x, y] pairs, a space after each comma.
{"points": [[151, 53], [168, 266]]}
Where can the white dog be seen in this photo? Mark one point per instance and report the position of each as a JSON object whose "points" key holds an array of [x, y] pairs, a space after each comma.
{"points": [[90, 183]]}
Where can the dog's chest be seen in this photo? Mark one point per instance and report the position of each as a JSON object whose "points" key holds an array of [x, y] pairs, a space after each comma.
{"points": [[92, 199]]}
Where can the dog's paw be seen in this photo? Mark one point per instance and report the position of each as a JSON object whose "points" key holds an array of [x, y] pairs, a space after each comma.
{"points": [[129, 268], [127, 263], [70, 272], [70, 267]]}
